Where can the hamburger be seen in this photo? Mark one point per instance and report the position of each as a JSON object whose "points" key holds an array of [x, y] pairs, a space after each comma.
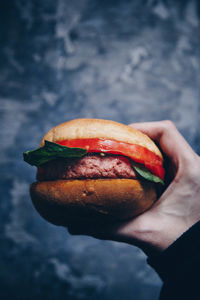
{"points": [[94, 169]]}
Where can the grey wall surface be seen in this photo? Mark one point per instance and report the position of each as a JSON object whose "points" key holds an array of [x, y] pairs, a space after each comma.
{"points": [[128, 61]]}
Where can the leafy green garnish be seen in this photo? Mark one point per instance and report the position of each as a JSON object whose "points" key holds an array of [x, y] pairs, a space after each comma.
{"points": [[51, 151], [143, 172]]}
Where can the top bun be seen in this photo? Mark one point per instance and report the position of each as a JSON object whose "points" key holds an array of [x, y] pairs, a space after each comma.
{"points": [[98, 128]]}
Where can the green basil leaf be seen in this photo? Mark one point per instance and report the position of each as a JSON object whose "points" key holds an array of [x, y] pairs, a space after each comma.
{"points": [[147, 175], [51, 151]]}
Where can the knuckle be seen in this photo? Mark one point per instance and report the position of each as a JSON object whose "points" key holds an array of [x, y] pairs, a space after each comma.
{"points": [[168, 124]]}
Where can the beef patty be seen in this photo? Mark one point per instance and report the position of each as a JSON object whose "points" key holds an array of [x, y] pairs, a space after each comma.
{"points": [[87, 167]]}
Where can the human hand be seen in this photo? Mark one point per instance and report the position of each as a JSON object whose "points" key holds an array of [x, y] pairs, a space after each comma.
{"points": [[176, 210]]}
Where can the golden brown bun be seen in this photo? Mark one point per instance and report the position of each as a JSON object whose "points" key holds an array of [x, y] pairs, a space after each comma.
{"points": [[62, 202], [98, 128]]}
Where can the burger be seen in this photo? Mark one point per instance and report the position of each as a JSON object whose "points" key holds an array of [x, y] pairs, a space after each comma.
{"points": [[94, 169]]}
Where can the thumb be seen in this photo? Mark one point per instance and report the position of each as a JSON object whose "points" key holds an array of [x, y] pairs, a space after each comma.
{"points": [[168, 137]]}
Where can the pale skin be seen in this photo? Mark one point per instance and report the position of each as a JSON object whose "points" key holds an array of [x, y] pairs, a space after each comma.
{"points": [[176, 210]]}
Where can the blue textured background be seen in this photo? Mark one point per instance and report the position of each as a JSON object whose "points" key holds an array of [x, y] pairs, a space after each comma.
{"points": [[123, 60]]}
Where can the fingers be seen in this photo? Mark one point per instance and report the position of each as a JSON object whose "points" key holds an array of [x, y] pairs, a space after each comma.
{"points": [[107, 231], [170, 140], [121, 231], [80, 228]]}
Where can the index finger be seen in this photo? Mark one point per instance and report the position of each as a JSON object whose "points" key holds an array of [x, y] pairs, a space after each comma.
{"points": [[168, 137]]}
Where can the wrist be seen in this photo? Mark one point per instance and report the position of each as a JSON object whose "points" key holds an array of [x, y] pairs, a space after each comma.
{"points": [[157, 236]]}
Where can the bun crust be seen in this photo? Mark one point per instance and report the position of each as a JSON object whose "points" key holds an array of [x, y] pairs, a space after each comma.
{"points": [[62, 202], [98, 128]]}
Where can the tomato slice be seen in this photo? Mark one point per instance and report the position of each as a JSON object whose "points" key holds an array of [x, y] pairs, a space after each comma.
{"points": [[137, 153]]}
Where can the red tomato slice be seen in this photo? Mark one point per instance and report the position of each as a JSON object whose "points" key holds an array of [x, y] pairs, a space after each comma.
{"points": [[137, 153]]}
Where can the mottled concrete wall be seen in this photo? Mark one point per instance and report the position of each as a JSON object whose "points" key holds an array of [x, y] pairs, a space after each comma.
{"points": [[125, 60]]}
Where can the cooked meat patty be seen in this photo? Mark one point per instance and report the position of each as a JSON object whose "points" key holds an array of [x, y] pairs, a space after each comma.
{"points": [[87, 167]]}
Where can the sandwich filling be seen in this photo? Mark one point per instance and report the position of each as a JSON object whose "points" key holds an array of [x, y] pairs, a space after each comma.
{"points": [[95, 158], [137, 153]]}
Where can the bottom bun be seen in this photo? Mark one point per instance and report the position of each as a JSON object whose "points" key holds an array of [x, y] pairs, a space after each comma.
{"points": [[63, 202]]}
